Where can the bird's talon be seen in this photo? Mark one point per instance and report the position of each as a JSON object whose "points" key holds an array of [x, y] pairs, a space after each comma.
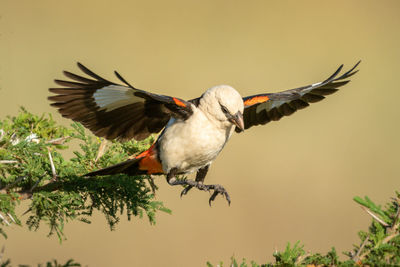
{"points": [[186, 190], [218, 189]]}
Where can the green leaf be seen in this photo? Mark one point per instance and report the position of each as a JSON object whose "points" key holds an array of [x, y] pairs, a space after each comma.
{"points": [[24, 139]]}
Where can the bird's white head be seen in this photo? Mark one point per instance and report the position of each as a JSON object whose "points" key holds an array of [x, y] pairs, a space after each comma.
{"points": [[224, 104]]}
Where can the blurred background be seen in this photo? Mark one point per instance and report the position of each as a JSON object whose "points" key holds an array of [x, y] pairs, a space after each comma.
{"points": [[289, 180]]}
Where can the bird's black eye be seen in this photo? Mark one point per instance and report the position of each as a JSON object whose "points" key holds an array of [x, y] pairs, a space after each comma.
{"points": [[224, 109]]}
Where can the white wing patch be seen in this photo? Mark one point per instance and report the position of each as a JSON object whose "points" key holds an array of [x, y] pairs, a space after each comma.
{"points": [[115, 96], [268, 105], [315, 84]]}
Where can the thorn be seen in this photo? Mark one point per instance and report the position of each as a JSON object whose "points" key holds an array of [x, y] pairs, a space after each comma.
{"points": [[4, 219], [8, 161], [375, 216], [53, 168], [11, 217], [28, 210], [102, 149]]}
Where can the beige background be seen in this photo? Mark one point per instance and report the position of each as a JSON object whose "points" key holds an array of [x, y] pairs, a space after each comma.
{"points": [[290, 180]]}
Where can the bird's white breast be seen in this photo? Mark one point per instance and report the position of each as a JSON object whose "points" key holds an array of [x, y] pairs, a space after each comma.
{"points": [[191, 144]]}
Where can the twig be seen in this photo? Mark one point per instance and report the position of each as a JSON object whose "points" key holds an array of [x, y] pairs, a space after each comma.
{"points": [[19, 179], [58, 141], [388, 238], [375, 216], [36, 184], [357, 257], [384, 241], [302, 257], [392, 229], [8, 161], [396, 219], [102, 149], [49, 187]]}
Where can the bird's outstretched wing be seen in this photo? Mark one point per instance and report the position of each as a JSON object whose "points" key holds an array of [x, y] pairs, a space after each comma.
{"points": [[263, 108], [115, 111]]}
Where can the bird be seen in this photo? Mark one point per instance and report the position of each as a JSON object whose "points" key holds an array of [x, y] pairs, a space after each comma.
{"points": [[192, 132]]}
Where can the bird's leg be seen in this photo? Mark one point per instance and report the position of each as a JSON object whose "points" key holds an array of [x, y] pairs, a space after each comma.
{"points": [[218, 189], [173, 181], [200, 176], [171, 176]]}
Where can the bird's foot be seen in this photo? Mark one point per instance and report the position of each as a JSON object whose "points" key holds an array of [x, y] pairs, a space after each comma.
{"points": [[218, 189]]}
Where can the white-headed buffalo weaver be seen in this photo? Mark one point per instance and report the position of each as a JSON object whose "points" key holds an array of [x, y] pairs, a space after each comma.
{"points": [[193, 131]]}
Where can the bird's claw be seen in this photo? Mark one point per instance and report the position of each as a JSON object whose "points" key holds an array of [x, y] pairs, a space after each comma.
{"points": [[219, 189], [186, 190]]}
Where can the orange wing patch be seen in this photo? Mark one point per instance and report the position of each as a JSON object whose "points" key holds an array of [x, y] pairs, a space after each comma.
{"points": [[256, 100], [150, 162], [178, 102]]}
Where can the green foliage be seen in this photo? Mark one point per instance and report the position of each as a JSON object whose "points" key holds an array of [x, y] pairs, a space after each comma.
{"points": [[32, 168], [53, 263], [290, 254], [234, 263], [379, 246]]}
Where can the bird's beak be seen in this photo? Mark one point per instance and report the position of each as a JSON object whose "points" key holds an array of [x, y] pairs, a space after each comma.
{"points": [[237, 120]]}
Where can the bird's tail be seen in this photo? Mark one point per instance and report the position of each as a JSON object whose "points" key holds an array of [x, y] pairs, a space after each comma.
{"points": [[128, 167], [145, 163]]}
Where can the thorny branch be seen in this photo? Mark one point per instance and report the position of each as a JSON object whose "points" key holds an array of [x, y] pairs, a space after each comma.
{"points": [[33, 167], [391, 230]]}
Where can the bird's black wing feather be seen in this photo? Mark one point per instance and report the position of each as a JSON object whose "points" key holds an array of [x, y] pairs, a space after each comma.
{"points": [[263, 108], [112, 110]]}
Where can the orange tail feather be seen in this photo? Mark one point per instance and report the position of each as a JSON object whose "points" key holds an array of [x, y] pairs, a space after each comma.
{"points": [[145, 163]]}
